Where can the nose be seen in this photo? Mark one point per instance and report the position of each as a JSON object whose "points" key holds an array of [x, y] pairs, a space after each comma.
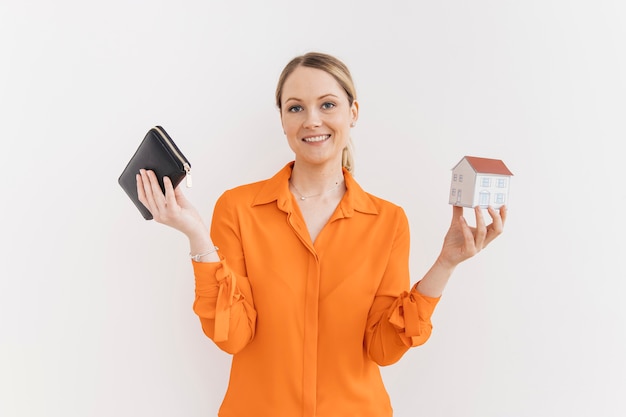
{"points": [[312, 119]]}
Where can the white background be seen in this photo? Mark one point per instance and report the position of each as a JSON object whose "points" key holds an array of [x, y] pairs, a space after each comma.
{"points": [[95, 302]]}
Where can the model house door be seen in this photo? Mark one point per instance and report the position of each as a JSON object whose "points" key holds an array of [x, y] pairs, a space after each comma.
{"points": [[458, 196]]}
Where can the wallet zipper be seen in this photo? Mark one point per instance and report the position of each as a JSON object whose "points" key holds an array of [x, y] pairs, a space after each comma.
{"points": [[186, 166]]}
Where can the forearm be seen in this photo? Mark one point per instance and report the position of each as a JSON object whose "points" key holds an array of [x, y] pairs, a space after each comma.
{"points": [[200, 242], [436, 279]]}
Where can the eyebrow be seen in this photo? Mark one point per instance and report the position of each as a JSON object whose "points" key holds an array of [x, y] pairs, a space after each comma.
{"points": [[319, 98]]}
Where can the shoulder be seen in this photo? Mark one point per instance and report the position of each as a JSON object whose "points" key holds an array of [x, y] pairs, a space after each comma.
{"points": [[244, 194], [259, 192], [382, 203], [379, 217], [368, 203], [388, 210]]}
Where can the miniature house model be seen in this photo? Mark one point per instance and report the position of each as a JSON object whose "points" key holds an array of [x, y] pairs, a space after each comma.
{"points": [[480, 182]]}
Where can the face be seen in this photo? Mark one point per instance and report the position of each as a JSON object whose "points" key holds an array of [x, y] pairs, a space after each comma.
{"points": [[316, 116]]}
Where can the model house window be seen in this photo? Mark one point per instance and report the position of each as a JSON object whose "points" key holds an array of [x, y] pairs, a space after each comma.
{"points": [[460, 177], [501, 182], [485, 182], [455, 177], [453, 192], [483, 198], [499, 197]]}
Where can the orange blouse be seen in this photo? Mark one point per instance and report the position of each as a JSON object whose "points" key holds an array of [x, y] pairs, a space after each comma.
{"points": [[308, 324]]}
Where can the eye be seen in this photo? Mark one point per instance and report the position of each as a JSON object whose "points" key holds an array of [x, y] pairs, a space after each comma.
{"points": [[328, 105], [295, 109]]}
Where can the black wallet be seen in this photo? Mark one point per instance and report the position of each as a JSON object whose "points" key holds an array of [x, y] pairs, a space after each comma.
{"points": [[159, 153]]}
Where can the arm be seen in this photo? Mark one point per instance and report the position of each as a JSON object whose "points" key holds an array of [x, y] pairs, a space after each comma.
{"points": [[398, 319], [396, 324], [223, 299]]}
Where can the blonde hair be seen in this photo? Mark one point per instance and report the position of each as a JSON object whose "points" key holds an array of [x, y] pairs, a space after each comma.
{"points": [[339, 71]]}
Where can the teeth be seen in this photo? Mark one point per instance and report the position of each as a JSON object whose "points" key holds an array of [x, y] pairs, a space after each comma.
{"points": [[316, 138]]}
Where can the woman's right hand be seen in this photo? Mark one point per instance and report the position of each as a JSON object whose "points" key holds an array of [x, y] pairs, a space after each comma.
{"points": [[171, 208]]}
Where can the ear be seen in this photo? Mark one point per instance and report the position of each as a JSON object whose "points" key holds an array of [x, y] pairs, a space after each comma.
{"points": [[354, 110]]}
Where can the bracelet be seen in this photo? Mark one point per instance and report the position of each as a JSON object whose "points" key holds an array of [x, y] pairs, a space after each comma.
{"points": [[200, 255]]}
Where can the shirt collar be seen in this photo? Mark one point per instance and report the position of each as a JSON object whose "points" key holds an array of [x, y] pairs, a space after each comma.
{"points": [[277, 189]]}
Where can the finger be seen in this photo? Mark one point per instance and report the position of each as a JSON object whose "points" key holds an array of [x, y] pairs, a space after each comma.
{"points": [[152, 190], [157, 193], [496, 227], [180, 196], [468, 237], [457, 212], [147, 191], [497, 222], [503, 213], [481, 228], [170, 194], [141, 194]]}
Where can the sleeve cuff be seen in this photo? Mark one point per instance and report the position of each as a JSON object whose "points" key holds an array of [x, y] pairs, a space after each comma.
{"points": [[215, 279], [411, 315]]}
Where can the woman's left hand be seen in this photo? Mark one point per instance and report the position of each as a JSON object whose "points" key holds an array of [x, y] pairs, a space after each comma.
{"points": [[462, 241]]}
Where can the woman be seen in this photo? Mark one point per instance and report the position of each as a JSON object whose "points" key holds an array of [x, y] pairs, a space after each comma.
{"points": [[310, 290]]}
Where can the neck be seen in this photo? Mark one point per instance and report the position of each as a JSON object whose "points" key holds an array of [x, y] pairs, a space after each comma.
{"points": [[309, 180]]}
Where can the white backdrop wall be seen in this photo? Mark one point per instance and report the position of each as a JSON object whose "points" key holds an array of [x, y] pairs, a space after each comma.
{"points": [[95, 302]]}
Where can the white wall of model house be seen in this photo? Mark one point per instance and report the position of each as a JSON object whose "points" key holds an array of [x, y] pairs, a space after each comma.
{"points": [[470, 188]]}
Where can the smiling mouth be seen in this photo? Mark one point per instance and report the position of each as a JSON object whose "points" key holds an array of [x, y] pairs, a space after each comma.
{"points": [[319, 138]]}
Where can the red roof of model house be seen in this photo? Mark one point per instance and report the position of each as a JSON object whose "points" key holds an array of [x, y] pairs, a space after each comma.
{"points": [[488, 166]]}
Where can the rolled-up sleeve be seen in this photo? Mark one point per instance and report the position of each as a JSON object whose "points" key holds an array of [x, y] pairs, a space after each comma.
{"points": [[223, 302], [410, 316], [397, 327]]}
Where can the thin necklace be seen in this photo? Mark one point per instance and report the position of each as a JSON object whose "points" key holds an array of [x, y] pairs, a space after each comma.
{"points": [[305, 197]]}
